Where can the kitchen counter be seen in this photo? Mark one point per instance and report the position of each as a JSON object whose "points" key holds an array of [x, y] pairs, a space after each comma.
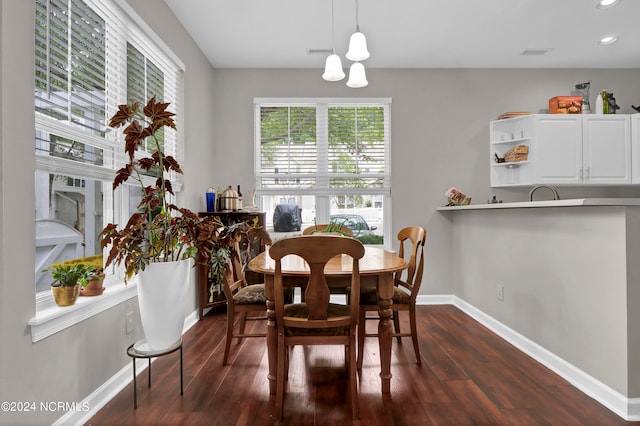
{"points": [[549, 203]]}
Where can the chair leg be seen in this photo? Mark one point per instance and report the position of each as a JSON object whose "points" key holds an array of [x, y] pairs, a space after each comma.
{"points": [[280, 377], [396, 325], [227, 343], [414, 333], [243, 322], [353, 383], [361, 330]]}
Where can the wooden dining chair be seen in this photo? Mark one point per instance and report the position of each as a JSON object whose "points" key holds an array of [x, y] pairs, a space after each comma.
{"points": [[316, 321], [405, 291], [242, 298], [314, 229], [319, 229]]}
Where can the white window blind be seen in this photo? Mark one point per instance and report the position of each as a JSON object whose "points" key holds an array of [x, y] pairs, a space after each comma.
{"points": [[288, 149], [90, 58], [357, 146], [329, 146], [70, 64]]}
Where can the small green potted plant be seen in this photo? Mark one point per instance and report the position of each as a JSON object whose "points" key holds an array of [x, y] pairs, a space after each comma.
{"points": [[92, 283], [68, 279]]}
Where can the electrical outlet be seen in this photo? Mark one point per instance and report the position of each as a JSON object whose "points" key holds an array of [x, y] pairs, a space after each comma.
{"points": [[129, 323], [500, 292]]}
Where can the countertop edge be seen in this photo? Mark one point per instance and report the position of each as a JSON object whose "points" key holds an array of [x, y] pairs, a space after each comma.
{"points": [[575, 202]]}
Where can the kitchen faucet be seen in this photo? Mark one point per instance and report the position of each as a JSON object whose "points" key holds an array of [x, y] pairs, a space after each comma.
{"points": [[556, 196]]}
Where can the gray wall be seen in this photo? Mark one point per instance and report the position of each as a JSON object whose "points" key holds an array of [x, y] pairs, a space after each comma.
{"points": [[439, 136], [439, 133]]}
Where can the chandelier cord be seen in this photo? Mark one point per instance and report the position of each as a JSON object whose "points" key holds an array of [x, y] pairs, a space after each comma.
{"points": [[333, 43]]}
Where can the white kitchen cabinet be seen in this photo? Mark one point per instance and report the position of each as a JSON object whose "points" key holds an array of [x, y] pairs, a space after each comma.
{"points": [[504, 135], [557, 153], [635, 148], [590, 149], [606, 149]]}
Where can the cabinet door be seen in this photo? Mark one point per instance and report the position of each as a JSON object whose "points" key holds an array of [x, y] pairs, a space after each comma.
{"points": [[635, 148], [606, 152], [557, 149]]}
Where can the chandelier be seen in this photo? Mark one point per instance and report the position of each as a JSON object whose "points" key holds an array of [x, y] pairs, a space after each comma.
{"points": [[357, 53]]}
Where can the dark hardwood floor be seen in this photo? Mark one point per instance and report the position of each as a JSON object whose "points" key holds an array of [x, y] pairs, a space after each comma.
{"points": [[468, 376]]}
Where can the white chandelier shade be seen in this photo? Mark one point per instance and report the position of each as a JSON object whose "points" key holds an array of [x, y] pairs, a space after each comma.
{"points": [[358, 47], [357, 76], [333, 68]]}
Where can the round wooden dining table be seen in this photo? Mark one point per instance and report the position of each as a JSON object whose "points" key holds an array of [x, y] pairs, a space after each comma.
{"points": [[377, 269]]}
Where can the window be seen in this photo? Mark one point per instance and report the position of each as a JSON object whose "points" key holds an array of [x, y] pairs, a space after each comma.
{"points": [[91, 55], [328, 157]]}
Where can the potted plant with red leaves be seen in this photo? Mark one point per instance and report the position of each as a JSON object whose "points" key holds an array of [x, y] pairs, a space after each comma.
{"points": [[161, 240]]}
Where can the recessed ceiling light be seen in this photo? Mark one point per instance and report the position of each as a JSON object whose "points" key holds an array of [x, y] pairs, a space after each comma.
{"points": [[602, 4], [610, 39]]}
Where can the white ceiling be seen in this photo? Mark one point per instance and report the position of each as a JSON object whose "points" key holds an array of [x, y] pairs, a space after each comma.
{"points": [[414, 33]]}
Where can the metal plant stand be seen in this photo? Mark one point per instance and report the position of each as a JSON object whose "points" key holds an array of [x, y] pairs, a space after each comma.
{"points": [[134, 353]]}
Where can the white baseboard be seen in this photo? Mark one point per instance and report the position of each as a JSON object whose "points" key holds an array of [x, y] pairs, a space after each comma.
{"points": [[109, 389], [627, 408]]}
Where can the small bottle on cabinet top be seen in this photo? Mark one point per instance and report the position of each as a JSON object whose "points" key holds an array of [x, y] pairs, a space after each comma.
{"points": [[599, 104], [211, 199], [239, 198]]}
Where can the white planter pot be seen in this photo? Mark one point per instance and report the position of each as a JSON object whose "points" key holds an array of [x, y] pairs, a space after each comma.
{"points": [[162, 289]]}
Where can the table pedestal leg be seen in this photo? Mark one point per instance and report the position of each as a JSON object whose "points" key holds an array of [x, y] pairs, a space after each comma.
{"points": [[385, 330]]}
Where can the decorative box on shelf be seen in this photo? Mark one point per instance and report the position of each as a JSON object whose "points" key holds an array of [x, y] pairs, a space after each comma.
{"points": [[565, 105], [516, 153]]}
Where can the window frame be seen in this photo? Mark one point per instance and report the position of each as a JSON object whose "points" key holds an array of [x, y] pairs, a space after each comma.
{"points": [[122, 26], [322, 190]]}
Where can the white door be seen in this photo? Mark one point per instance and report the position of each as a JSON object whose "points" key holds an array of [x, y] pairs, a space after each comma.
{"points": [[606, 152], [557, 149]]}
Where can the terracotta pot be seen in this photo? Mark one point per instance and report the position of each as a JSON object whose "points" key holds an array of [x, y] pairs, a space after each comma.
{"points": [[93, 288], [65, 296]]}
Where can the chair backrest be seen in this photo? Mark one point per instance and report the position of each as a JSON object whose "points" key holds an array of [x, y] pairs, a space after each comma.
{"points": [[233, 275], [414, 238], [313, 229], [317, 250]]}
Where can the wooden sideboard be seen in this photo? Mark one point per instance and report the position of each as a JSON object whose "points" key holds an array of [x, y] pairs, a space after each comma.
{"points": [[210, 293]]}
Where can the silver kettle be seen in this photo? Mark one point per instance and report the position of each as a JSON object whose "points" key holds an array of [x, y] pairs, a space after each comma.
{"points": [[229, 200]]}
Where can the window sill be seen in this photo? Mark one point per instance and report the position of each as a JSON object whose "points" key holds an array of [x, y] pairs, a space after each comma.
{"points": [[51, 318]]}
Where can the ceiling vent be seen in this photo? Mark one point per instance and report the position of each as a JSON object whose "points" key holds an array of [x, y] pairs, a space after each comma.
{"points": [[536, 51], [318, 51]]}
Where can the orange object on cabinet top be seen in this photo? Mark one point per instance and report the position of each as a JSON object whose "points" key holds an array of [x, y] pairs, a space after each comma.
{"points": [[565, 105]]}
